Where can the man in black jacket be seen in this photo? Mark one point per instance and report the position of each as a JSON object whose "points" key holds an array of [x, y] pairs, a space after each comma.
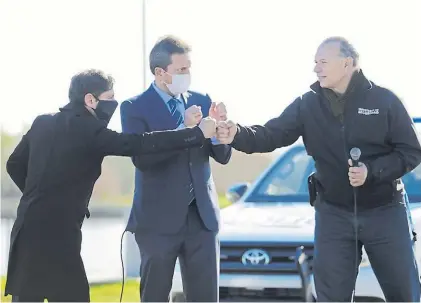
{"points": [[345, 110], [56, 165]]}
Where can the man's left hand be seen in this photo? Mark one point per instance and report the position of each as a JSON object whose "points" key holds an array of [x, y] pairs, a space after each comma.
{"points": [[218, 111], [357, 175]]}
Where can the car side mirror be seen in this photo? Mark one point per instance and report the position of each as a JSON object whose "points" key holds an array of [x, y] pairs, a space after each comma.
{"points": [[236, 191]]}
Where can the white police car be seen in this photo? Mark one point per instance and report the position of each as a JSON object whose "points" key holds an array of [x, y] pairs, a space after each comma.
{"points": [[268, 221]]}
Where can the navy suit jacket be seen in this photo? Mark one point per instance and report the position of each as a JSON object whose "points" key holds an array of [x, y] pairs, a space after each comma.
{"points": [[159, 204]]}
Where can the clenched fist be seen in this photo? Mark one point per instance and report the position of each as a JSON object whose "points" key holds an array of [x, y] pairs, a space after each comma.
{"points": [[208, 127], [226, 132], [218, 111], [192, 116]]}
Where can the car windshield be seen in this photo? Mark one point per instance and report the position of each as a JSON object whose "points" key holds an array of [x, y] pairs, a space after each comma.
{"points": [[286, 181]]}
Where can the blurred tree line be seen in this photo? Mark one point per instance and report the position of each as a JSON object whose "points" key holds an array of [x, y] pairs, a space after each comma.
{"points": [[116, 184]]}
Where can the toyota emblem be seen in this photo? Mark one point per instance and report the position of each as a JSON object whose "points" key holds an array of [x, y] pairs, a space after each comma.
{"points": [[255, 257]]}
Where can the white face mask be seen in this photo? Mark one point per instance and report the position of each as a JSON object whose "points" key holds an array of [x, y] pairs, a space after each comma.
{"points": [[180, 83]]}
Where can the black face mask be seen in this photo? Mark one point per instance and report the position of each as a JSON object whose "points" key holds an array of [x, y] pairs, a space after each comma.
{"points": [[105, 109]]}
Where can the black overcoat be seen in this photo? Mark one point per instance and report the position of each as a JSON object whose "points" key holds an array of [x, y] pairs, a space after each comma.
{"points": [[56, 165]]}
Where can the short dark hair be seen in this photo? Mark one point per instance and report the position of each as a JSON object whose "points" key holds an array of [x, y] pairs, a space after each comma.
{"points": [[91, 81], [346, 48], [162, 51]]}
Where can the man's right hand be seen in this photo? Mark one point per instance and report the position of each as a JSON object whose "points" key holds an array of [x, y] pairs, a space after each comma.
{"points": [[226, 132], [208, 127], [192, 116]]}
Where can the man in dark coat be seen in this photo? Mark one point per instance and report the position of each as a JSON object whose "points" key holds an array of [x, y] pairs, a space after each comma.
{"points": [[56, 165], [355, 207]]}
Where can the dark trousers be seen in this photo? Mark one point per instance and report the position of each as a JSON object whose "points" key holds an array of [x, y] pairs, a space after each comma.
{"points": [[73, 296], [75, 289], [78, 291], [27, 299], [387, 239], [198, 251]]}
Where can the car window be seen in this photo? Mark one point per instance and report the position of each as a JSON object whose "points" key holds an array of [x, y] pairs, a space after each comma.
{"points": [[412, 182], [287, 176]]}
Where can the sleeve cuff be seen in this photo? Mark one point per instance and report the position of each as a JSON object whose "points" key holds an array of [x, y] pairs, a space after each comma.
{"points": [[370, 176], [235, 140]]}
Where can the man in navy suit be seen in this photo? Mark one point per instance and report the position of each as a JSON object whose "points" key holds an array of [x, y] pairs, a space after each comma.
{"points": [[175, 211]]}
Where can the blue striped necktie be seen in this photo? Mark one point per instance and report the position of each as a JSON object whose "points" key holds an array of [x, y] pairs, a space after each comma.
{"points": [[175, 113], [178, 117]]}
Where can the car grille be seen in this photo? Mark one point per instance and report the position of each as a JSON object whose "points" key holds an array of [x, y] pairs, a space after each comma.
{"points": [[268, 294], [282, 257]]}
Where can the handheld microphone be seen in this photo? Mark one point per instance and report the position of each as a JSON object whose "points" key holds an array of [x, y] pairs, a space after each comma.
{"points": [[355, 154]]}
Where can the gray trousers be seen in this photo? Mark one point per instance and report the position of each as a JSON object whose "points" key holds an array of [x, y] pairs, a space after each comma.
{"points": [[387, 239], [198, 251]]}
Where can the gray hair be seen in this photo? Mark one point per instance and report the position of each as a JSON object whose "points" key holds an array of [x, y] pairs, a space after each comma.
{"points": [[346, 48], [162, 51]]}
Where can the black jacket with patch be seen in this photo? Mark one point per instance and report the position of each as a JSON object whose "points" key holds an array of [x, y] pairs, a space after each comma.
{"points": [[374, 120]]}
